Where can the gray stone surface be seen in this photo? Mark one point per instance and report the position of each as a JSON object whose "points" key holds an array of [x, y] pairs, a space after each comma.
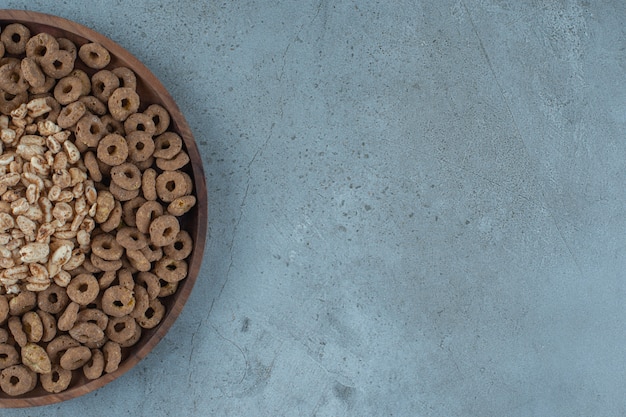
{"points": [[416, 208]]}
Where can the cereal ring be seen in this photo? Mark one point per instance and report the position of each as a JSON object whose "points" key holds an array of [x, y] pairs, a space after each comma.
{"points": [[148, 184], [8, 356], [113, 126], [140, 146], [125, 278], [17, 331], [45, 88], [139, 122], [142, 301], [68, 90], [94, 106], [105, 203], [106, 279], [11, 78], [83, 289], [10, 102], [23, 302], [152, 315], [138, 260], [127, 176], [54, 105], [39, 45], [36, 358], [75, 357], [53, 299], [170, 270], [103, 265], [149, 211], [89, 130], [129, 211], [32, 326], [112, 149], [57, 64], [131, 238], [94, 368], [120, 329], [58, 380], [167, 145], [67, 45], [15, 37], [94, 55], [122, 103], [121, 193], [163, 230], [181, 205], [32, 73], [71, 114], [181, 247], [107, 247], [95, 316], [118, 301], [103, 83], [167, 288], [58, 345], [114, 220], [112, 356], [92, 166], [84, 332], [160, 117], [126, 77], [143, 165], [150, 282], [4, 308], [173, 164], [17, 379], [152, 252], [170, 185], [68, 318], [49, 325]]}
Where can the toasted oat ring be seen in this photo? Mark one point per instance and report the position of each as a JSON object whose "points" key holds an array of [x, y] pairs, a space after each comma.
{"points": [[118, 301], [71, 114], [152, 315], [9, 102], [57, 380], [15, 37], [17, 331], [148, 184], [114, 219], [152, 252], [113, 126], [160, 117], [104, 265], [181, 247], [4, 308], [94, 55], [23, 302], [163, 230], [40, 45], [140, 146], [32, 73], [67, 45], [93, 315], [127, 176], [122, 103], [131, 238], [49, 324], [11, 78], [8, 356], [167, 145], [139, 122], [103, 83], [59, 344], [57, 64], [133, 339], [120, 329], [83, 289], [85, 332], [94, 368], [129, 210], [33, 326], [122, 194], [68, 318], [126, 76], [68, 90], [106, 247], [151, 283], [173, 164], [170, 185], [149, 211], [125, 278], [112, 356], [170, 270], [138, 260], [142, 301], [53, 299], [75, 357], [181, 205], [167, 288], [91, 163], [89, 130], [112, 149], [17, 380]]}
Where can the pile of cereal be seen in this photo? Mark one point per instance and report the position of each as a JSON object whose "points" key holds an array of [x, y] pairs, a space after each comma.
{"points": [[91, 191]]}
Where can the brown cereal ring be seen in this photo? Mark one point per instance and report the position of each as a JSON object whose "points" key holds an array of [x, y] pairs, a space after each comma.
{"points": [[23, 302], [59, 344], [113, 126], [17, 380], [4, 308], [89, 267], [118, 301], [57, 64], [92, 166], [32, 326], [142, 301], [152, 252], [53, 299], [126, 77], [17, 331], [127, 176], [140, 146], [71, 114], [55, 106], [181, 247], [4, 335], [181, 205], [173, 164], [148, 184], [112, 356], [163, 230], [103, 265], [152, 315], [167, 288], [67, 45], [68, 90], [139, 122], [94, 368], [75, 357], [103, 83], [95, 106], [133, 339], [32, 73], [171, 270], [49, 325], [36, 358], [129, 210], [160, 117], [167, 145], [107, 247], [8, 356], [170, 185], [83, 289], [68, 318], [94, 55], [122, 103], [112, 149], [85, 82], [126, 265], [11, 78], [114, 219], [143, 165], [106, 279], [44, 89], [131, 238], [150, 282], [58, 380], [120, 329], [9, 102], [15, 36], [95, 316], [84, 332], [105, 204], [122, 194], [138, 260], [40, 45], [125, 278], [146, 214], [89, 130]]}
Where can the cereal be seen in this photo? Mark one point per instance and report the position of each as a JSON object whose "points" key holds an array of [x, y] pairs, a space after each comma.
{"points": [[179, 161], [170, 270], [167, 145], [126, 77], [131, 238], [107, 247], [139, 122], [75, 357], [32, 326], [181, 247], [83, 289], [17, 331], [170, 185], [8, 356], [127, 176], [181, 205], [57, 380], [103, 83], [57, 64], [17, 380], [49, 325], [160, 117], [121, 329], [85, 332], [152, 315], [68, 90], [94, 368], [36, 358], [14, 37], [94, 55], [122, 103], [118, 301], [52, 300], [163, 230], [112, 149], [112, 356]]}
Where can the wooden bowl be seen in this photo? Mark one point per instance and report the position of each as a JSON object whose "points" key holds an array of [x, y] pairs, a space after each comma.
{"points": [[150, 91]]}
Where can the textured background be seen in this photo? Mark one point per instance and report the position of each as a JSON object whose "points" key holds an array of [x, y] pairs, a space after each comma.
{"points": [[416, 207]]}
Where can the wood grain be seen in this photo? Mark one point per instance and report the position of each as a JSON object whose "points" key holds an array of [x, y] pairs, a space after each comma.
{"points": [[151, 91]]}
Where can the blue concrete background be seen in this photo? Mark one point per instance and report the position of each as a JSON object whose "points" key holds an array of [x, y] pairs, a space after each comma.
{"points": [[417, 208]]}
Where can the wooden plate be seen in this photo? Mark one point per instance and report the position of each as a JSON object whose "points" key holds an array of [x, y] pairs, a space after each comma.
{"points": [[150, 91]]}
